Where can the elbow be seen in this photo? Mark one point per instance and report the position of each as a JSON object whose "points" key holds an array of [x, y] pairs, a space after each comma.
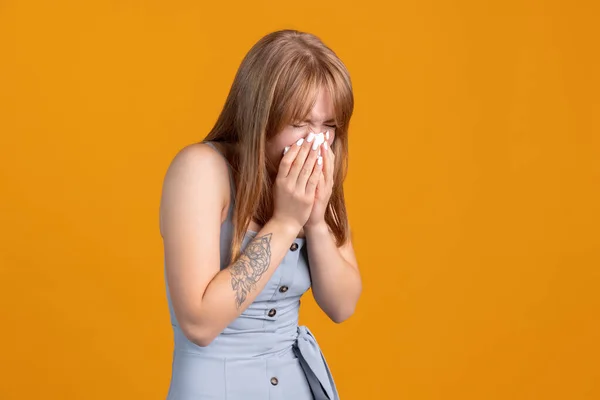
{"points": [[339, 313], [202, 341], [198, 336], [343, 313], [342, 316]]}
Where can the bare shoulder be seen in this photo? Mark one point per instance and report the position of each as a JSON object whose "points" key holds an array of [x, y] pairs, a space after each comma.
{"points": [[197, 174], [196, 158]]}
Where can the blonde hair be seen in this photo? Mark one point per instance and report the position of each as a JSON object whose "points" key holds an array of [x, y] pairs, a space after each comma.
{"points": [[277, 83]]}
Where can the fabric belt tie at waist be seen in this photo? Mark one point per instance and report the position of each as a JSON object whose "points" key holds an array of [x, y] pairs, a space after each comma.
{"points": [[311, 353]]}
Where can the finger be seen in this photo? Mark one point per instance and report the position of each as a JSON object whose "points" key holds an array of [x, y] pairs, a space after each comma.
{"points": [[326, 159], [322, 186], [301, 157], [309, 164], [288, 158], [315, 177], [328, 163]]}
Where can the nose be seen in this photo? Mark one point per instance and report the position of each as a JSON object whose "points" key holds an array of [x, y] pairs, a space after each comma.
{"points": [[318, 128]]}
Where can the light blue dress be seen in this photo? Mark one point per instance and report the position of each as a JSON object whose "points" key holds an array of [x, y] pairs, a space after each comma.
{"points": [[263, 354]]}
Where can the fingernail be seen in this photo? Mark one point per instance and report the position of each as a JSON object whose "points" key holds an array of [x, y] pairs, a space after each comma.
{"points": [[320, 160], [310, 137], [286, 150], [299, 142], [327, 135], [325, 146]]}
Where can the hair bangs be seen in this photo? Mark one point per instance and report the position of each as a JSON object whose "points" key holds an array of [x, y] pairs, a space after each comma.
{"points": [[296, 93]]}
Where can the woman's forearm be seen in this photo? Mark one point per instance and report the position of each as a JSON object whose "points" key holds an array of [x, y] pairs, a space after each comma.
{"points": [[234, 288], [336, 284]]}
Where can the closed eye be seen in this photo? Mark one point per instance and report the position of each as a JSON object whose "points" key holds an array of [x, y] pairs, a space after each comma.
{"points": [[302, 126]]}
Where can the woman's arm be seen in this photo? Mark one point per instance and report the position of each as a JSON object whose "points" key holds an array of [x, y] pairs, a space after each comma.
{"points": [[336, 281], [206, 299], [231, 290]]}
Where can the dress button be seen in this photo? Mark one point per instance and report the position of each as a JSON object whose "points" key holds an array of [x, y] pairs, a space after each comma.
{"points": [[283, 289], [274, 381], [294, 246], [272, 312]]}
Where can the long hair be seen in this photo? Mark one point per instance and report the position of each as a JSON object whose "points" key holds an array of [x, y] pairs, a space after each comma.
{"points": [[277, 83]]}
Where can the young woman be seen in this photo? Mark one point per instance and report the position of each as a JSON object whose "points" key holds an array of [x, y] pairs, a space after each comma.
{"points": [[254, 216]]}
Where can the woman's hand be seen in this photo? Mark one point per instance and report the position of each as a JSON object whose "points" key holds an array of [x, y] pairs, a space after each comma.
{"points": [[324, 188], [296, 183]]}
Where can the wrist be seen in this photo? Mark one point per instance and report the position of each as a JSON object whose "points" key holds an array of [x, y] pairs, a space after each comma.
{"points": [[320, 226], [289, 226]]}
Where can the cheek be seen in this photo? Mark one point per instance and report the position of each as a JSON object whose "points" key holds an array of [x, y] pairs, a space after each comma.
{"points": [[276, 143], [291, 139], [294, 137], [286, 138], [276, 147]]}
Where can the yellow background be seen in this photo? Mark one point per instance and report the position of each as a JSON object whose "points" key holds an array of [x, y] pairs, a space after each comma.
{"points": [[473, 191]]}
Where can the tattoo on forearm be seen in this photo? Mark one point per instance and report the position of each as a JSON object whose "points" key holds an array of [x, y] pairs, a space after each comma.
{"points": [[250, 266]]}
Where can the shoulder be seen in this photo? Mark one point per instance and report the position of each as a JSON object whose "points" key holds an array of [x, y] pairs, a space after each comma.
{"points": [[197, 174], [198, 163], [198, 157]]}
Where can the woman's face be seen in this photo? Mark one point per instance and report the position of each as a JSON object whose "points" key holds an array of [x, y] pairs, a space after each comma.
{"points": [[320, 119]]}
